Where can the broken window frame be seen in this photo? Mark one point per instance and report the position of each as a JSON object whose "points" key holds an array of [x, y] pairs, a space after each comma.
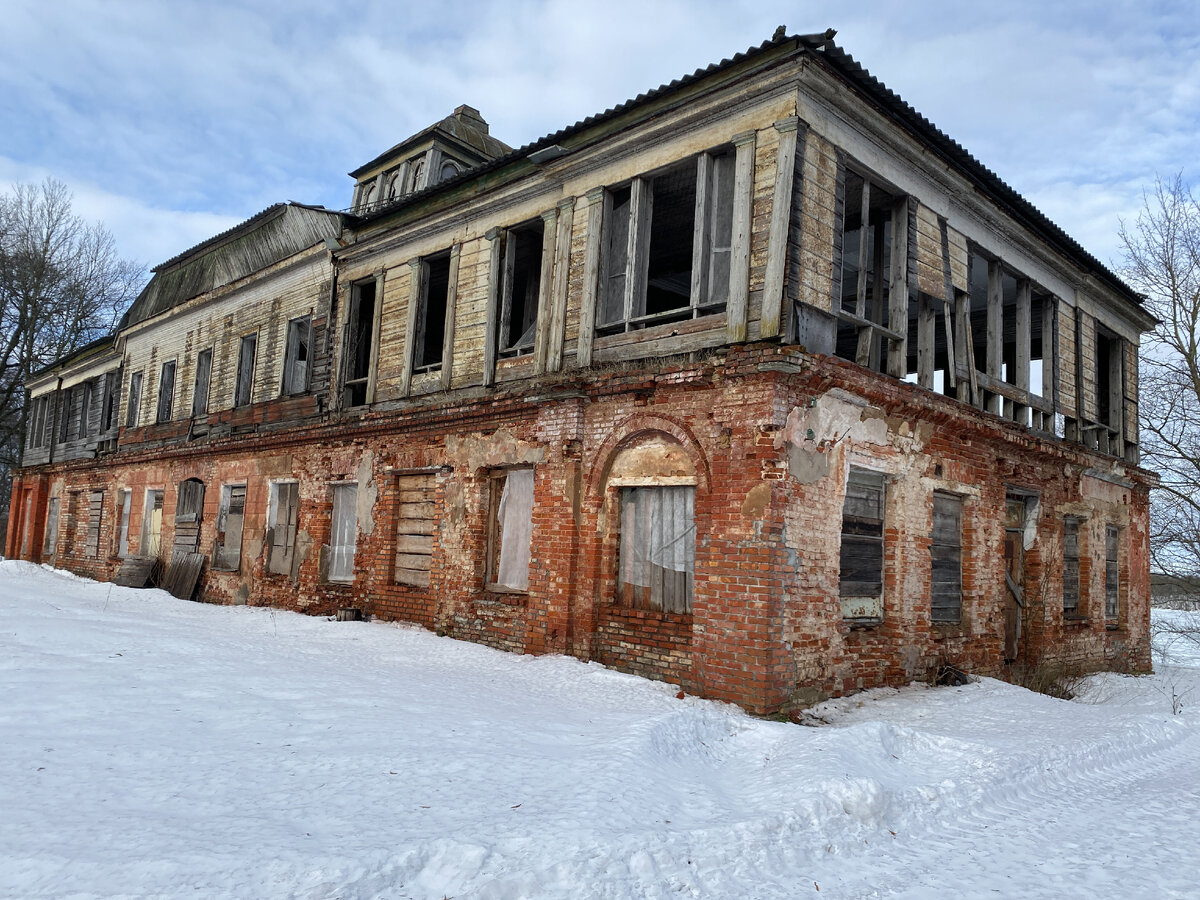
{"points": [[945, 556], [124, 508], [862, 546], [64, 417], [166, 392], [515, 273], [416, 526], [283, 519], [1112, 572], [509, 529], [1071, 582], [426, 340], [151, 537], [638, 544], [297, 372], [85, 413], [134, 401], [343, 532], [1105, 433], [230, 528], [50, 542], [360, 338], [243, 387], [35, 438], [628, 246], [203, 383]]}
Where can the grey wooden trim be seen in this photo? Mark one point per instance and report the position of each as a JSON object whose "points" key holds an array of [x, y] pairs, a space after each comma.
{"points": [[558, 296], [410, 325], [897, 361], [451, 304], [701, 237], [641, 207], [591, 276], [376, 338], [948, 306], [781, 208], [862, 353], [545, 286], [995, 331], [926, 334], [493, 304], [1050, 358], [739, 257]]}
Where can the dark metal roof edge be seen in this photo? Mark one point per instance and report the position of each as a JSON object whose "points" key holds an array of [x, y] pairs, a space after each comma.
{"points": [[1001, 191], [87, 349]]}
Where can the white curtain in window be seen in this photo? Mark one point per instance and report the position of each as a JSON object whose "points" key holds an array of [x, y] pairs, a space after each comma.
{"points": [[515, 519], [344, 532], [657, 530]]}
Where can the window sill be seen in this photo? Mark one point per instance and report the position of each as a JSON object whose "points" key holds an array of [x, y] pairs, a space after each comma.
{"points": [[1076, 620], [862, 623], [1112, 626], [505, 598]]}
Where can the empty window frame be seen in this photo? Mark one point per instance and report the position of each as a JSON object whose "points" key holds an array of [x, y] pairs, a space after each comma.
{"points": [[133, 404], [36, 429], [64, 415], [1105, 434], [359, 344], [416, 523], [112, 383], [85, 413], [343, 533], [151, 543], [521, 275], [429, 337], [945, 553], [666, 250], [657, 553], [869, 324], [283, 513], [51, 542], [166, 391], [243, 392], [203, 379], [510, 529], [297, 355], [1112, 571], [95, 515], [1070, 566], [124, 504], [862, 546], [227, 549]]}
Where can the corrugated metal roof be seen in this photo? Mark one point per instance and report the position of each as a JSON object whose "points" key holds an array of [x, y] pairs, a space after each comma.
{"points": [[817, 46]]}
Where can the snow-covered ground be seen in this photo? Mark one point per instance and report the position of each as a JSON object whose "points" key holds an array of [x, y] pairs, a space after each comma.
{"points": [[151, 747]]}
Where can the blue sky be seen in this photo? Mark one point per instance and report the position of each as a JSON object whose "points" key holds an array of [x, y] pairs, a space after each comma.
{"points": [[171, 121]]}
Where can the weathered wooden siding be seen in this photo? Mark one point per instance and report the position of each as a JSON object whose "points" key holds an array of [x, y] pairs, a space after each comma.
{"points": [[817, 223]]}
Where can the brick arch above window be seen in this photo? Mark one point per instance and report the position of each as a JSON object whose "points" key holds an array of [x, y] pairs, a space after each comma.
{"points": [[661, 445]]}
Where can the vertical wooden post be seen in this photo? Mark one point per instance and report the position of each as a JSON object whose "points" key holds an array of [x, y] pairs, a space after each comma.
{"points": [[926, 333], [410, 325], [493, 306], [739, 257], [995, 332], [591, 278], [897, 363], [1024, 338], [948, 308], [702, 235], [376, 337], [641, 208], [545, 284], [451, 305], [1050, 357], [558, 297], [781, 208], [866, 336]]}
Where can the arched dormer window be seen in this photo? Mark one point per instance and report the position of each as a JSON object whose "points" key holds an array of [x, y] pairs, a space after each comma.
{"points": [[449, 169]]}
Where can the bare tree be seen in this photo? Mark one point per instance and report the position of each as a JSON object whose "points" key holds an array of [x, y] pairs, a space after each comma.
{"points": [[1162, 260], [62, 286]]}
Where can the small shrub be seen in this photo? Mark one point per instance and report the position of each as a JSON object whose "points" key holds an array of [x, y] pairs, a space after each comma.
{"points": [[1050, 677]]}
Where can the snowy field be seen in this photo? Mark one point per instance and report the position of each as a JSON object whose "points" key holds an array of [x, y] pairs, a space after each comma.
{"points": [[155, 748]]}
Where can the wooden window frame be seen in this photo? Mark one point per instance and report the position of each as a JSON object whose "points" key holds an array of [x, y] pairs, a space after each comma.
{"points": [[291, 386], [868, 530], [338, 492], [1072, 568], [946, 550], [232, 504], [497, 478], [1112, 573], [166, 392], [290, 528], [133, 402], [627, 595], [202, 386], [243, 386]]}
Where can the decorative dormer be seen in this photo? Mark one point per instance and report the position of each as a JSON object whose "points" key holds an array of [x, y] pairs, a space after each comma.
{"points": [[458, 142]]}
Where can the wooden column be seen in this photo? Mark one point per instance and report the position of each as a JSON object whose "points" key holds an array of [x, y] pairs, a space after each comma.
{"points": [[451, 304], [739, 262], [926, 333], [591, 278], [995, 332], [542, 334], [493, 305], [376, 336], [410, 324], [781, 208], [897, 361], [558, 294]]}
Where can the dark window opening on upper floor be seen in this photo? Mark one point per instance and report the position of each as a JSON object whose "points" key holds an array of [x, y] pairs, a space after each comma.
{"points": [[296, 355], [203, 377], [244, 389], [431, 315], [359, 344], [166, 391], [522, 275]]}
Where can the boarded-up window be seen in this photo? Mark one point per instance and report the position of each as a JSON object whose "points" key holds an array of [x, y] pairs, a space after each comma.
{"points": [[282, 516], [51, 543], [227, 550], [946, 555], [296, 356], [152, 524], [189, 509], [244, 389], [343, 532], [135, 400], [510, 529], [416, 523], [862, 546], [1070, 563], [95, 514], [522, 274], [166, 391], [203, 376], [1112, 572], [658, 548], [125, 501]]}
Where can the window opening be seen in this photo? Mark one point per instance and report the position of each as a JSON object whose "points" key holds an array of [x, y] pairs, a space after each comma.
{"points": [[64, 419], [124, 504], [95, 515], [244, 389], [282, 518], [135, 400], [658, 548], [510, 529], [431, 315], [862, 546], [360, 340], [203, 376], [152, 524], [296, 355], [166, 391], [522, 276], [1112, 572], [51, 542], [111, 387], [1070, 566], [946, 557], [416, 520], [227, 551], [85, 415], [343, 533]]}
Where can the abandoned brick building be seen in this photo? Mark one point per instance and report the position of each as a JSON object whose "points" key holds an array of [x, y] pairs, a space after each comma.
{"points": [[757, 383]]}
